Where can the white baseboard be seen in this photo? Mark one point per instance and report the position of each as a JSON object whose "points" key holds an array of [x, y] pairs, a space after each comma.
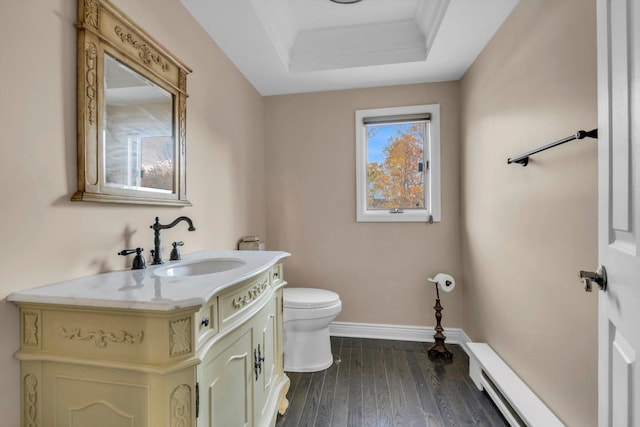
{"points": [[397, 332]]}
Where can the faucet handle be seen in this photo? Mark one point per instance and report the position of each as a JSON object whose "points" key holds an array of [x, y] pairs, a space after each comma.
{"points": [[175, 253], [138, 262]]}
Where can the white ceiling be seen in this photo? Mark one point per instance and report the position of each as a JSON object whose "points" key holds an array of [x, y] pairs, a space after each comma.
{"points": [[293, 46]]}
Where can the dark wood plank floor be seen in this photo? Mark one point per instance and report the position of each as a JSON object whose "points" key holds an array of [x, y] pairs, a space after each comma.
{"points": [[388, 383]]}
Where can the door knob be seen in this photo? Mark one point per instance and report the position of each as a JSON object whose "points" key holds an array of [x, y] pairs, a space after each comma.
{"points": [[599, 277]]}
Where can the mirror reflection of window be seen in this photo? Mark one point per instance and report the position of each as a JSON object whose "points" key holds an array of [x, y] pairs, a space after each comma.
{"points": [[138, 136]]}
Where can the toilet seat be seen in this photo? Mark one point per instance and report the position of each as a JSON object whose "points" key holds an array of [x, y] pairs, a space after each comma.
{"points": [[307, 298]]}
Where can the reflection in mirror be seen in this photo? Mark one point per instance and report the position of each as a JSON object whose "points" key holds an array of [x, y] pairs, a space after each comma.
{"points": [[138, 131]]}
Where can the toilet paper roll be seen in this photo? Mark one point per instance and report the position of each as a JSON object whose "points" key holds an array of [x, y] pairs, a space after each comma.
{"points": [[446, 281]]}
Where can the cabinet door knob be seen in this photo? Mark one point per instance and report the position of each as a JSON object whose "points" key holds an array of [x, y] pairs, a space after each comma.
{"points": [[205, 322]]}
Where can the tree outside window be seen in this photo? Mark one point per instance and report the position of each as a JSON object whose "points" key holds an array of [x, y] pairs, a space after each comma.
{"points": [[395, 166]]}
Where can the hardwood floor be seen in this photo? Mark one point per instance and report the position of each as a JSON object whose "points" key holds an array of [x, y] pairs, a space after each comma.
{"points": [[388, 383]]}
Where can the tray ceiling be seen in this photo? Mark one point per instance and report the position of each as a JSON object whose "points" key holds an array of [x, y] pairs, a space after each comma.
{"points": [[293, 46]]}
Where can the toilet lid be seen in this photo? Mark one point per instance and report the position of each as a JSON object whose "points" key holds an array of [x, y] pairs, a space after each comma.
{"points": [[309, 298]]}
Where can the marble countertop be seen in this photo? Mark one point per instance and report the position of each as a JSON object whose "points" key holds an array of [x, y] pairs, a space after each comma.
{"points": [[148, 290]]}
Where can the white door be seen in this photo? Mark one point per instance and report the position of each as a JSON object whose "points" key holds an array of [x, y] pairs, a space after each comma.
{"points": [[619, 211]]}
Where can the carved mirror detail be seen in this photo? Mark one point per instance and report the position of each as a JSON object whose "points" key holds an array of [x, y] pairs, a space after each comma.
{"points": [[132, 112]]}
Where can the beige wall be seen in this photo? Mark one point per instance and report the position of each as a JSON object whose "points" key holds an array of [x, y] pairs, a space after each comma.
{"points": [[47, 238], [379, 269], [527, 231]]}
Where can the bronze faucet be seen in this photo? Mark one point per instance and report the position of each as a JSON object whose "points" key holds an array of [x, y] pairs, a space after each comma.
{"points": [[157, 257]]}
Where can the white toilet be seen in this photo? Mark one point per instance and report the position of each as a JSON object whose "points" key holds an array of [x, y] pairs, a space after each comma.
{"points": [[307, 315]]}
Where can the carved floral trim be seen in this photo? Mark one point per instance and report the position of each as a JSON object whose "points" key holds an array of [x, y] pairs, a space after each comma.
{"points": [[182, 80], [180, 336], [101, 337], [182, 123], [91, 52], [251, 295], [145, 53], [91, 12], [30, 331], [30, 391], [181, 406]]}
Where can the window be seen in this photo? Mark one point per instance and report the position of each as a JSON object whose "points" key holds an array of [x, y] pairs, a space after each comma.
{"points": [[398, 164]]}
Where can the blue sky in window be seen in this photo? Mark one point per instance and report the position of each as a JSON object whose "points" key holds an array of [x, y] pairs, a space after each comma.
{"points": [[379, 137]]}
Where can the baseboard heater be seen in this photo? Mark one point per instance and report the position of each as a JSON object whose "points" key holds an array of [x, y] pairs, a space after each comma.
{"points": [[518, 404]]}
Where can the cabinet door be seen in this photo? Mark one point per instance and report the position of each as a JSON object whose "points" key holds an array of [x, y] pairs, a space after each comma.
{"points": [[226, 383], [265, 336]]}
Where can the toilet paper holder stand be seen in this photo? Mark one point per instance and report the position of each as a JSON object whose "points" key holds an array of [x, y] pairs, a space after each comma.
{"points": [[439, 350]]}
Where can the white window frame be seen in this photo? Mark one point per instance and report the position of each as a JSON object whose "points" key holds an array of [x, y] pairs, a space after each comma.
{"points": [[431, 211]]}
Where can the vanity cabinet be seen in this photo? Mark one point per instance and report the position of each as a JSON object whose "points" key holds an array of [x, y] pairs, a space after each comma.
{"points": [[247, 362], [218, 363]]}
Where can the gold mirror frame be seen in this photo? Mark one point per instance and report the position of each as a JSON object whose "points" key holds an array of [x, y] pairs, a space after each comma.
{"points": [[104, 29]]}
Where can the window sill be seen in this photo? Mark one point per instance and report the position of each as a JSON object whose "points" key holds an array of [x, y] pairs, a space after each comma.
{"points": [[386, 216]]}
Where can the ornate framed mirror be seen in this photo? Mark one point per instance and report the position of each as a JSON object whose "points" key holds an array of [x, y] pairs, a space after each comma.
{"points": [[132, 112]]}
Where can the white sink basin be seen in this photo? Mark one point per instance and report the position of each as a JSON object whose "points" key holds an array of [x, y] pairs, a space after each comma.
{"points": [[197, 268]]}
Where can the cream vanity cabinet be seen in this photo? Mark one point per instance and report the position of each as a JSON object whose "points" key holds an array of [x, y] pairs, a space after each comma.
{"points": [[247, 362], [133, 349]]}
